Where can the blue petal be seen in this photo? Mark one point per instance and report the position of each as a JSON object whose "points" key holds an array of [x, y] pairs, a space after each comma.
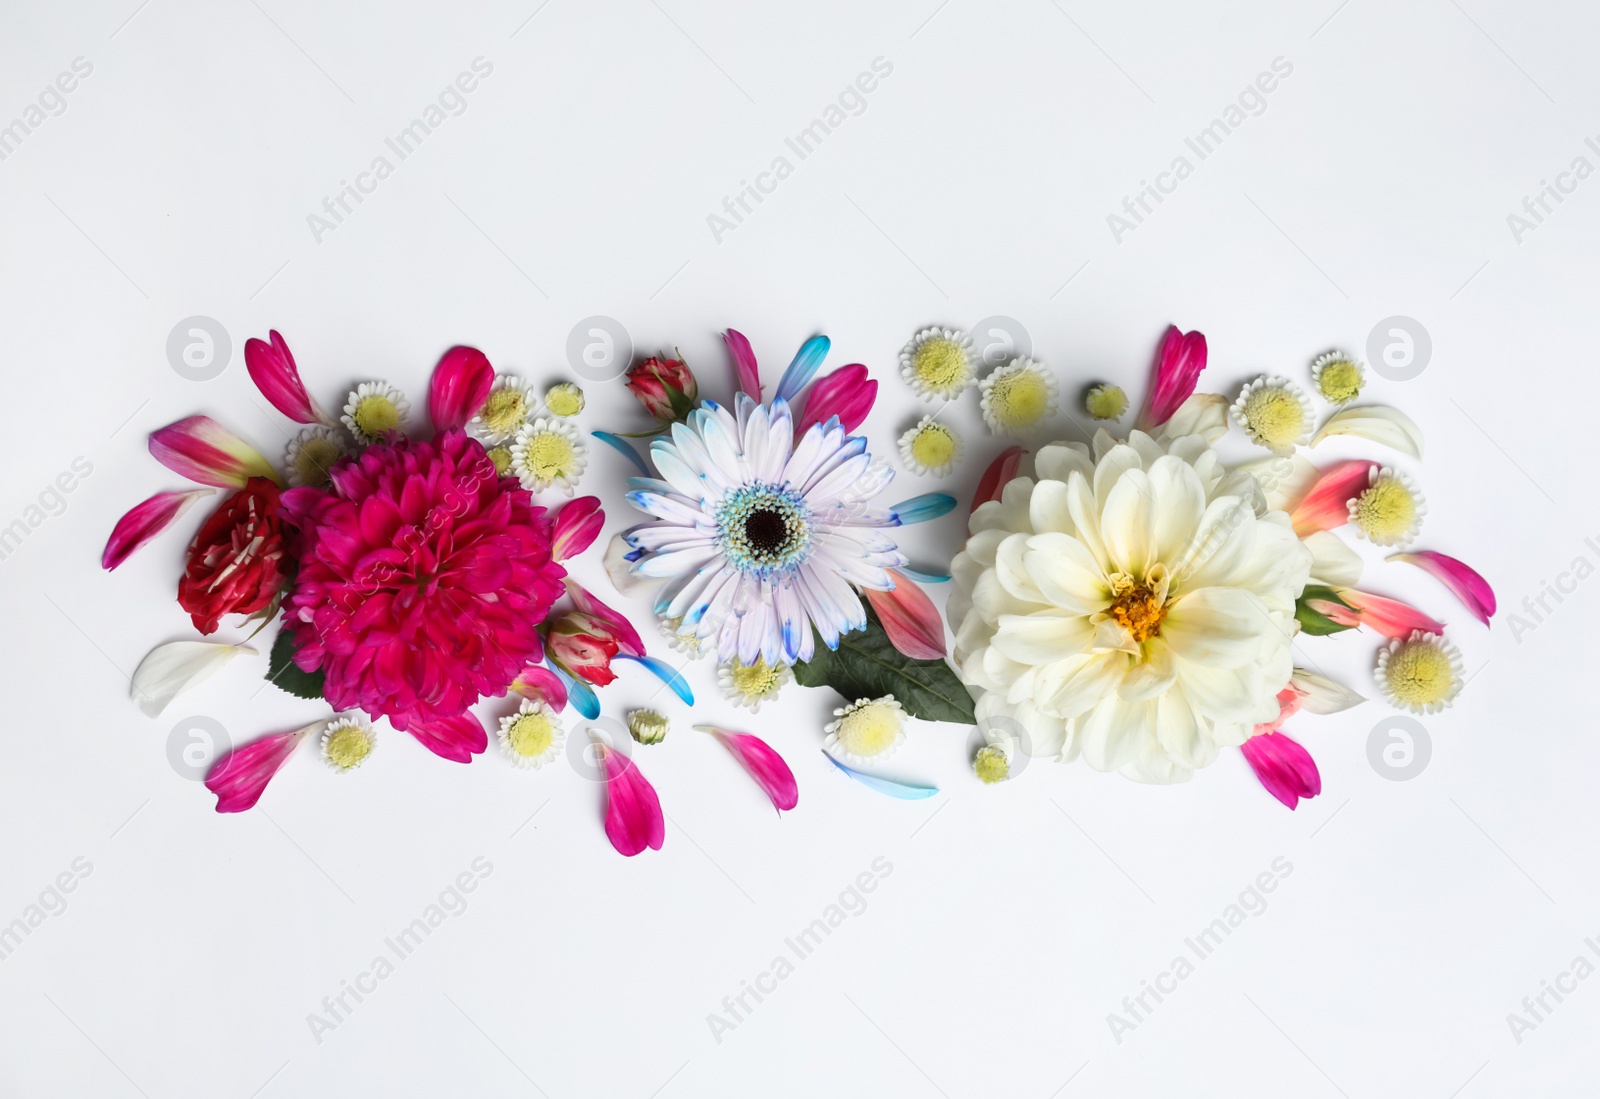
{"points": [[805, 364], [578, 693], [903, 791], [925, 577], [919, 509], [624, 447], [666, 673]]}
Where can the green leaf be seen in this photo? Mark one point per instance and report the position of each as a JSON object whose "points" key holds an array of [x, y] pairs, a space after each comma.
{"points": [[867, 665], [284, 672], [1314, 622]]}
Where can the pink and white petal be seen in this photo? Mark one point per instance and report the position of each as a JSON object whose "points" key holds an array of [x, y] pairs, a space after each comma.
{"points": [[540, 684], [746, 372], [577, 525], [1327, 503], [203, 450], [909, 618], [240, 777], [144, 521], [1464, 582]]}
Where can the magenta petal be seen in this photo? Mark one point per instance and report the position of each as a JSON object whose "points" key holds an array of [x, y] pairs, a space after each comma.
{"points": [[997, 476], [457, 738], [461, 383], [846, 393], [763, 763], [629, 643], [1179, 361], [541, 684], [909, 618], [576, 526], [1327, 504], [1284, 767], [1389, 617], [272, 368], [633, 811], [203, 450], [240, 777], [144, 521], [744, 363], [1464, 582]]}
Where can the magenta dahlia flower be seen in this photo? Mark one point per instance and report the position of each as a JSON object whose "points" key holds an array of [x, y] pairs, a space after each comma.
{"points": [[423, 575]]}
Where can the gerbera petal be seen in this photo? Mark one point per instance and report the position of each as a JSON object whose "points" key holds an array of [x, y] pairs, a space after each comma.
{"points": [[169, 670], [800, 371], [909, 618], [541, 685], [1179, 360], [761, 763], [746, 373], [1380, 423], [144, 521], [847, 393], [1327, 504]]}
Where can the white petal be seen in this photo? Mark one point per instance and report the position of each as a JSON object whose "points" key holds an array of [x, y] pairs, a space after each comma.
{"points": [[1058, 461], [1216, 627], [1043, 637], [1127, 523], [169, 670], [1283, 481], [1069, 687], [1321, 695], [1203, 414], [1377, 422], [1333, 562], [1115, 733], [1180, 501], [1065, 573], [1152, 672]]}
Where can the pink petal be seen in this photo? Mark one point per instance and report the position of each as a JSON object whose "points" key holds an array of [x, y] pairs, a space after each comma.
{"points": [[577, 525], [272, 368], [541, 685], [909, 618], [763, 763], [1464, 582], [633, 812], [1327, 504], [144, 521], [1288, 705], [1389, 617], [744, 363], [240, 777], [997, 476], [457, 738], [1179, 361], [461, 383], [203, 450], [628, 640], [846, 393], [1284, 767]]}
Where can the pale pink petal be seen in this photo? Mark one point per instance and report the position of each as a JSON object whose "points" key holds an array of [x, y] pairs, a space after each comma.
{"points": [[846, 393], [1327, 503], [744, 363], [542, 685], [272, 368], [1284, 767], [577, 525], [144, 521], [240, 777], [1389, 617], [997, 476], [763, 763], [1464, 582], [203, 450], [1179, 361], [909, 618], [457, 738], [461, 383], [633, 811], [629, 643], [1288, 706]]}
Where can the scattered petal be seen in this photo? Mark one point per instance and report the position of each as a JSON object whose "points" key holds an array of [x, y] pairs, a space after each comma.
{"points": [[633, 811], [625, 448], [1389, 617], [1179, 361], [763, 763], [846, 393], [541, 685], [577, 525], [240, 777], [144, 521], [1284, 767], [1327, 504], [909, 618], [169, 670], [902, 790], [919, 509], [461, 383], [272, 368], [1377, 422], [583, 698], [203, 450], [745, 370], [1464, 582], [1321, 695], [922, 576], [998, 476], [1203, 414], [457, 738], [800, 371], [666, 673]]}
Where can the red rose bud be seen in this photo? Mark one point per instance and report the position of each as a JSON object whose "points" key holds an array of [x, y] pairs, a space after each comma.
{"points": [[235, 563], [584, 645], [666, 388]]}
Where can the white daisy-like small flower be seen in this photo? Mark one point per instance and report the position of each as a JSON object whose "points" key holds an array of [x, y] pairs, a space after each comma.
{"points": [[1422, 673], [548, 452], [532, 736], [1106, 402], [1018, 397], [312, 453], [564, 399], [346, 743], [510, 404], [375, 410], [939, 363], [685, 642], [1275, 413], [1338, 377], [501, 457], [867, 731], [1389, 511], [749, 685], [930, 447]]}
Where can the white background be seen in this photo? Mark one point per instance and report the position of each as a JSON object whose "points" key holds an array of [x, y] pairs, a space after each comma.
{"points": [[977, 182]]}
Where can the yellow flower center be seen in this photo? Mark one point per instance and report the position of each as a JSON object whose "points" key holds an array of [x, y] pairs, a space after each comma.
{"points": [[941, 364], [1274, 416], [504, 411], [565, 399], [348, 746], [933, 446], [501, 457], [314, 458], [1419, 674], [991, 764], [1019, 399], [1138, 609], [869, 730], [1106, 402], [549, 455], [1386, 511], [376, 415], [530, 735], [1339, 381], [754, 680]]}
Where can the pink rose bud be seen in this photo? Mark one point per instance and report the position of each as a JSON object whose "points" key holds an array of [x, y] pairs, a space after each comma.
{"points": [[666, 388]]}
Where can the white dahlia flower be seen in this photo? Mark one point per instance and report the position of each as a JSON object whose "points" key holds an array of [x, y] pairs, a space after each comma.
{"points": [[1134, 608]]}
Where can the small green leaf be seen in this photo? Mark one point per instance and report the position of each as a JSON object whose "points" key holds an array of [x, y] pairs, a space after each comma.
{"points": [[1314, 622], [283, 672], [867, 665]]}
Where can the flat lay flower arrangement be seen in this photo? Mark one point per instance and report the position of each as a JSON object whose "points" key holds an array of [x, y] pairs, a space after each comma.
{"points": [[1132, 601]]}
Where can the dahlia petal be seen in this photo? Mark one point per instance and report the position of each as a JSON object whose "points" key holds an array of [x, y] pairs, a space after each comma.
{"points": [[144, 521], [623, 447], [1333, 562], [1390, 617], [461, 383], [805, 364], [240, 777], [1128, 523], [919, 509], [1464, 582], [1203, 414], [1066, 573], [1380, 423], [1327, 504], [746, 373], [577, 525], [1179, 361], [457, 738], [762, 763], [203, 450], [846, 393], [1283, 481], [1042, 638], [1112, 732], [904, 791], [169, 670], [1180, 504], [1284, 767], [909, 618], [1216, 627], [633, 811], [541, 685], [272, 368], [666, 673], [1321, 695]]}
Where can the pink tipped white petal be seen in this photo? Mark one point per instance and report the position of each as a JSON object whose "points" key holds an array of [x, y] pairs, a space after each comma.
{"points": [[144, 521], [541, 685], [1389, 617], [1179, 361], [461, 383], [909, 618], [628, 640], [240, 777], [1464, 582], [203, 450], [633, 811], [577, 525], [763, 764], [744, 363], [846, 393], [1327, 504], [997, 476], [1284, 767], [169, 670], [457, 738], [272, 368]]}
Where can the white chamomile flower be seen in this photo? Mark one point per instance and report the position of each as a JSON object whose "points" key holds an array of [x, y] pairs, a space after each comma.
{"points": [[510, 404], [1275, 413], [1389, 511], [939, 363], [866, 731], [749, 685], [1422, 673], [564, 399], [930, 447], [1338, 377], [312, 454], [1018, 397], [375, 410], [532, 736], [1106, 402], [346, 743], [685, 642], [548, 452]]}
